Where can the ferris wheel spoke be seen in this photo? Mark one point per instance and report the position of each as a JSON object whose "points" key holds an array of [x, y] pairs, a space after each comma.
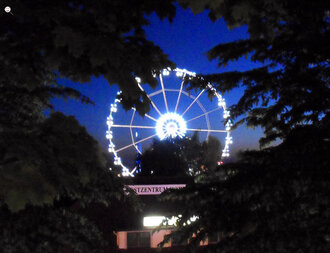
{"points": [[137, 142], [206, 113], [134, 126], [130, 129], [163, 90], [193, 102], [179, 96], [148, 116], [206, 130], [154, 106]]}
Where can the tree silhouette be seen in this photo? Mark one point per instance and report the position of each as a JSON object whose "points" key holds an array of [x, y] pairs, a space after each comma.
{"points": [[274, 199], [290, 41], [51, 170], [180, 157], [49, 176], [44, 40]]}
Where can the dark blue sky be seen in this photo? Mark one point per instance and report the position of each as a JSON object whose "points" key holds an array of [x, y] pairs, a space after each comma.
{"points": [[186, 41]]}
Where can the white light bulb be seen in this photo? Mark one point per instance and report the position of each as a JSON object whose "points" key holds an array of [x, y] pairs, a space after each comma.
{"points": [[108, 135], [166, 72], [226, 114], [179, 73], [7, 9]]}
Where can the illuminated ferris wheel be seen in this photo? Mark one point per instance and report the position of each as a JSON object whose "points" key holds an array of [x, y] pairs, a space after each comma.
{"points": [[174, 113]]}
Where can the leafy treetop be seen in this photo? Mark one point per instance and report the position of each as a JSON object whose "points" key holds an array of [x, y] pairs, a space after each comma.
{"points": [[273, 200], [44, 40], [290, 39], [180, 157], [55, 190], [59, 159]]}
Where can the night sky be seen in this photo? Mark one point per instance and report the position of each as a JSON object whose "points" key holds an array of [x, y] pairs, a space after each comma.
{"points": [[186, 41]]}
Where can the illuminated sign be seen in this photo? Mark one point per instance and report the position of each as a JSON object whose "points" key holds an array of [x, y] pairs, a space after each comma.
{"points": [[154, 189], [155, 221]]}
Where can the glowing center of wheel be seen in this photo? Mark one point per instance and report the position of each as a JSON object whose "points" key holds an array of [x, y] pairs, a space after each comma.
{"points": [[170, 125]]}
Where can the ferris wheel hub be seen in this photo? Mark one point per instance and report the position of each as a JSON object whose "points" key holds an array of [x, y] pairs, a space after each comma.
{"points": [[171, 125]]}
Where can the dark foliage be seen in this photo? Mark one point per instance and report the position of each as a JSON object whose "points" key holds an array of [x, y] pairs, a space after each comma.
{"points": [[290, 40], [275, 200], [50, 178], [55, 183], [180, 157], [44, 40]]}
